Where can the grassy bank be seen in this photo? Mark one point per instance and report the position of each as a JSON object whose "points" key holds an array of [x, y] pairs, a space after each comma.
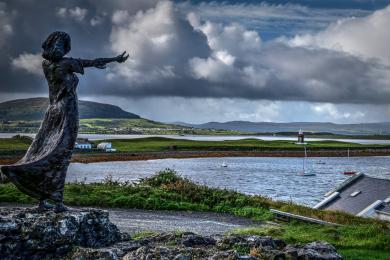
{"points": [[358, 237], [161, 144], [167, 144]]}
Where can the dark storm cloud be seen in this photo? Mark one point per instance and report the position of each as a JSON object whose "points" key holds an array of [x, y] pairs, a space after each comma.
{"points": [[180, 56], [32, 21]]}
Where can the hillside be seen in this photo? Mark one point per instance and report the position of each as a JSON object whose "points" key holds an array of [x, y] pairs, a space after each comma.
{"points": [[34, 108], [270, 127]]}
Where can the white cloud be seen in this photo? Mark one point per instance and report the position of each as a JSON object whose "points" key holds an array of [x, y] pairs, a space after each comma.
{"points": [[176, 54], [367, 37], [159, 41], [32, 63], [234, 52], [76, 13], [331, 112], [97, 20], [120, 16]]}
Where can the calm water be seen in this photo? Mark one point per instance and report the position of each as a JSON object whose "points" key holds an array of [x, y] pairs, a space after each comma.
{"points": [[273, 177], [210, 137]]}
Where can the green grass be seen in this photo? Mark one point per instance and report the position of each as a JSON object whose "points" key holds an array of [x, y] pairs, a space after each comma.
{"points": [[161, 144], [165, 144], [364, 254], [357, 238], [364, 242], [14, 145]]}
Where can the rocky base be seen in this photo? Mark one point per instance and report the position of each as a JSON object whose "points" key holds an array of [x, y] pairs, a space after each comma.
{"points": [[186, 246], [29, 234], [88, 234]]}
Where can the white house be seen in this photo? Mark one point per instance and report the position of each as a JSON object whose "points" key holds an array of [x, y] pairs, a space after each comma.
{"points": [[106, 147], [83, 145]]}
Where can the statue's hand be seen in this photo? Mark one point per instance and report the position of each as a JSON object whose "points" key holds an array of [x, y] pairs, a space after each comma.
{"points": [[122, 58]]}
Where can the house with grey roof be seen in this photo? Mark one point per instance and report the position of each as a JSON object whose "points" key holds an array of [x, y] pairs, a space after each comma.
{"points": [[360, 195]]}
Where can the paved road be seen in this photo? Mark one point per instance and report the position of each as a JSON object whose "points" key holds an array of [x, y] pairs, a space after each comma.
{"points": [[203, 223]]}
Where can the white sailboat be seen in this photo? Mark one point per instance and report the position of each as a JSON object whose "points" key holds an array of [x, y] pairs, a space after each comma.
{"points": [[304, 170], [224, 164]]}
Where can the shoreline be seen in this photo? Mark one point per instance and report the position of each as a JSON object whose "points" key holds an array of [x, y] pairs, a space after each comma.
{"points": [[143, 156]]}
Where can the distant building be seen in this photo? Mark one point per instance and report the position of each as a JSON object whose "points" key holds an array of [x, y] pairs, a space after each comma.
{"points": [[360, 195], [106, 146], [301, 137], [83, 145]]}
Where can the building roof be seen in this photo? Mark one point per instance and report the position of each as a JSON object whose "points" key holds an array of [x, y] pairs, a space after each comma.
{"points": [[83, 143], [357, 194]]}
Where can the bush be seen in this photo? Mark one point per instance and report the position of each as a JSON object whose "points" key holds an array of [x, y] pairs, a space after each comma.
{"points": [[162, 177]]}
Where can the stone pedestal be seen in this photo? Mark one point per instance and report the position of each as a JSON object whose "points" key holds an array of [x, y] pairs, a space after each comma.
{"points": [[28, 234], [88, 235]]}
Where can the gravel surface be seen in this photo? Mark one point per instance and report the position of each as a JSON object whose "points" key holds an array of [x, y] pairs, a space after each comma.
{"points": [[203, 223]]}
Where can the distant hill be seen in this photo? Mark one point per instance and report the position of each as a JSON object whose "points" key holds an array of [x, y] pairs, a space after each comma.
{"points": [[270, 127], [34, 109]]}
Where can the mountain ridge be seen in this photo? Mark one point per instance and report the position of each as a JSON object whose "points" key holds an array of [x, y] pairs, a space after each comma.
{"points": [[30, 109], [273, 127]]}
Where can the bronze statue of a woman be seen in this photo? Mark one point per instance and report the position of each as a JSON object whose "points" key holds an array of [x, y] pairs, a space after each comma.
{"points": [[41, 172]]}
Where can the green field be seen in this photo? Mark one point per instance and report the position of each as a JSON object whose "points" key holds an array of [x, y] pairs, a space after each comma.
{"points": [[161, 144], [165, 144], [358, 238]]}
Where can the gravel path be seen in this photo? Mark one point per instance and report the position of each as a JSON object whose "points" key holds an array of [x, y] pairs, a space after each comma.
{"points": [[203, 223]]}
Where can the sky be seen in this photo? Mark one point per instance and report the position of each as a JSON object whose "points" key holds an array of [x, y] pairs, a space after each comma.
{"points": [[200, 61]]}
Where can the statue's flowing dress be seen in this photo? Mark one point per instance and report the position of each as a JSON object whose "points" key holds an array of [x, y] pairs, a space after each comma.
{"points": [[41, 172]]}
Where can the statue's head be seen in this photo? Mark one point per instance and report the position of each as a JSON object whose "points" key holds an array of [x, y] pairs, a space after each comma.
{"points": [[56, 46]]}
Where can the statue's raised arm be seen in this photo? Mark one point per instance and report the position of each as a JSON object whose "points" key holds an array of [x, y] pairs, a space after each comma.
{"points": [[101, 63], [41, 172]]}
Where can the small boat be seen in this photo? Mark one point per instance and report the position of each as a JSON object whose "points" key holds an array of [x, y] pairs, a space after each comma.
{"points": [[224, 164], [348, 172], [321, 162], [304, 172]]}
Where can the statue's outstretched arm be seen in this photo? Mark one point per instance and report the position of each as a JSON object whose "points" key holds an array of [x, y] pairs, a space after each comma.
{"points": [[100, 63]]}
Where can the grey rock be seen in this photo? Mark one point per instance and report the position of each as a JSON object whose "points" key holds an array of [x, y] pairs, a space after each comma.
{"points": [[318, 250], [182, 257], [88, 234], [28, 233], [225, 255], [82, 253], [158, 252], [192, 240], [249, 241]]}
